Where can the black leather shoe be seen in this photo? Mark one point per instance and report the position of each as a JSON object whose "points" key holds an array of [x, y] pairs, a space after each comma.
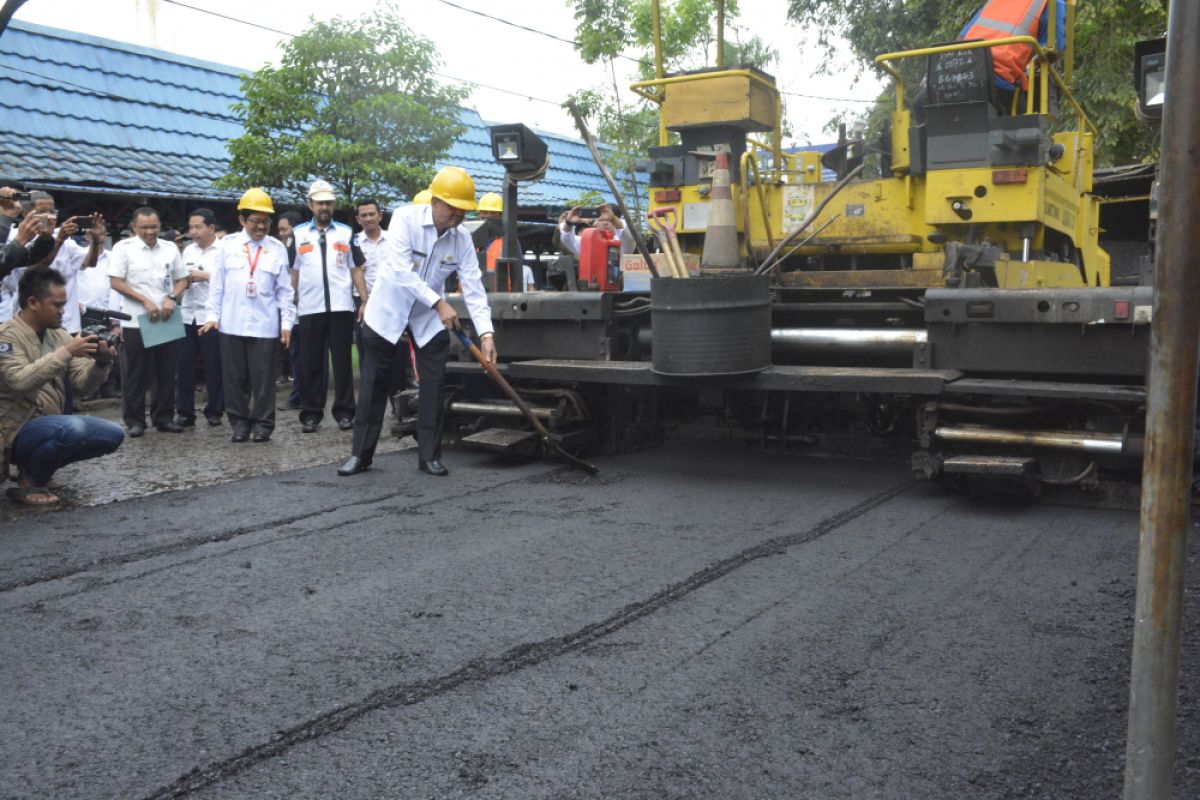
{"points": [[345, 424], [309, 426], [260, 436], [433, 467], [213, 420], [353, 466], [240, 435], [168, 427], [185, 422], [136, 430]]}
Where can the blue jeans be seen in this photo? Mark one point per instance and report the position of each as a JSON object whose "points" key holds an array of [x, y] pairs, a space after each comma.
{"points": [[185, 379], [46, 444]]}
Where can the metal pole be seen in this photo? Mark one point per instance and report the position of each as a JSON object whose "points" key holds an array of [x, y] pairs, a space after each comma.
{"points": [[720, 33], [1171, 404], [656, 20]]}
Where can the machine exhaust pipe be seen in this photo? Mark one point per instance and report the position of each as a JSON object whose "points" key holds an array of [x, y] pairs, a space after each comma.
{"points": [[498, 409], [884, 341], [1080, 441], [797, 342]]}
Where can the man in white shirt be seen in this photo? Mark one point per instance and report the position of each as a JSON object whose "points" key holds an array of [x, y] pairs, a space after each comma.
{"points": [[250, 304], [426, 244], [198, 259], [607, 220], [149, 275], [371, 241], [326, 279]]}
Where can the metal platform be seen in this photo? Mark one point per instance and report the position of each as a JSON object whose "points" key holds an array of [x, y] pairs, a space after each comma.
{"points": [[1049, 389]]}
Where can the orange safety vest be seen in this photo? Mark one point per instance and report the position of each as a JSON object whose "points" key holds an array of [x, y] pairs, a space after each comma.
{"points": [[493, 252], [1000, 19]]}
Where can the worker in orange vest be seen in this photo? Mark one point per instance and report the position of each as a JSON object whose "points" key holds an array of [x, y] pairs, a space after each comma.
{"points": [[489, 237], [1000, 19]]}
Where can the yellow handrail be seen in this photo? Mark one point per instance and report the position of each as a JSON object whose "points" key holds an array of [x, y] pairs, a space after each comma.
{"points": [[1048, 70], [750, 159]]}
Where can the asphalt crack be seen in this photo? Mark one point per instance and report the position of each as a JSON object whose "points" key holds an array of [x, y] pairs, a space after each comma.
{"points": [[519, 657]]}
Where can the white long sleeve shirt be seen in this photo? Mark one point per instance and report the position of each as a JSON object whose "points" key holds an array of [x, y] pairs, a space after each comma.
{"points": [[324, 271], [229, 303], [412, 276]]}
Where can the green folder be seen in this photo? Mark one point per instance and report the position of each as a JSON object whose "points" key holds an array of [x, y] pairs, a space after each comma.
{"points": [[161, 332]]}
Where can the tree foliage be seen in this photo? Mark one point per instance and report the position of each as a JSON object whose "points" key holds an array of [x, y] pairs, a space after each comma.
{"points": [[352, 101], [607, 30], [1105, 32]]}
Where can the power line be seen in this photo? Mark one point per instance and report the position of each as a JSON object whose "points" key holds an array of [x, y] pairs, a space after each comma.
{"points": [[527, 96], [547, 34]]}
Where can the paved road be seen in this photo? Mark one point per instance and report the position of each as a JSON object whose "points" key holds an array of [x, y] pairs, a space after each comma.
{"points": [[699, 621]]}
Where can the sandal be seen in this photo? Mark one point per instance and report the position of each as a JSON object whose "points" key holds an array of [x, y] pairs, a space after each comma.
{"points": [[28, 496]]}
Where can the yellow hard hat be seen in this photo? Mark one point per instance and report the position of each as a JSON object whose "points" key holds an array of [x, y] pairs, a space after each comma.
{"points": [[422, 197], [452, 185], [256, 200], [491, 202]]}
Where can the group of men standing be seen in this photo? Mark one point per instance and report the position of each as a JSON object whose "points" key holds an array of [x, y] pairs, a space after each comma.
{"points": [[240, 297]]}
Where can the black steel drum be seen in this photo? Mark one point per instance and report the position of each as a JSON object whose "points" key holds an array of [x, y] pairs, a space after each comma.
{"points": [[710, 325]]}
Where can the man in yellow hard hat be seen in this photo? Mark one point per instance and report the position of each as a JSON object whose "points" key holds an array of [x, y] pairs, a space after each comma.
{"points": [[250, 304], [489, 238], [426, 244]]}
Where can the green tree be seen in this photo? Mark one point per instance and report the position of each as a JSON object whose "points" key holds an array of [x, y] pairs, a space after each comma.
{"points": [[1105, 32], [607, 30], [352, 101]]}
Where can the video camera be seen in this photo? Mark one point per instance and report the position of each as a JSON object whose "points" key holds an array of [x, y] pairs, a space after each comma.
{"points": [[98, 322]]}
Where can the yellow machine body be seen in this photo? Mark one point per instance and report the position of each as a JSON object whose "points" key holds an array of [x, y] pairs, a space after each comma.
{"points": [[1039, 220]]}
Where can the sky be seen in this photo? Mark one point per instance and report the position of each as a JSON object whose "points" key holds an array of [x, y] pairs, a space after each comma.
{"points": [[524, 76]]}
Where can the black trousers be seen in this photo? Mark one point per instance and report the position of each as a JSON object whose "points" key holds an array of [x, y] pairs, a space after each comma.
{"points": [[208, 347], [326, 337], [381, 359], [248, 372], [140, 364]]}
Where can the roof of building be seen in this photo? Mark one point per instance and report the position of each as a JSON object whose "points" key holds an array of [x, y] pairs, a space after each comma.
{"points": [[81, 112]]}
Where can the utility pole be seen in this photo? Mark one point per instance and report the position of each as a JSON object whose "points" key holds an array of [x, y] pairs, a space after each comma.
{"points": [[1170, 410]]}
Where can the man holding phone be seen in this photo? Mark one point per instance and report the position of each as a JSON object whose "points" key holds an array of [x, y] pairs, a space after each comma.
{"points": [[602, 217], [38, 359], [68, 255]]}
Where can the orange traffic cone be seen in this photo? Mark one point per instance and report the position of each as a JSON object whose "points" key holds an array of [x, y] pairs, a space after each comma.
{"points": [[721, 238]]}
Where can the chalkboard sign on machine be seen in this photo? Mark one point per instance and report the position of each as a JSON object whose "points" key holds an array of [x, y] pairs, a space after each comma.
{"points": [[961, 76]]}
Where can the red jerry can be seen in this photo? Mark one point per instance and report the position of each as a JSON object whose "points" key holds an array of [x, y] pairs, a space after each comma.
{"points": [[599, 261]]}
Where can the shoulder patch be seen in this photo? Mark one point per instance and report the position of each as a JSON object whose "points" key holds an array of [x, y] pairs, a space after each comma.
{"points": [[6, 348]]}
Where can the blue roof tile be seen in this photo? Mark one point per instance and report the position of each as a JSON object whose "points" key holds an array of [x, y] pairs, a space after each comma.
{"points": [[86, 111]]}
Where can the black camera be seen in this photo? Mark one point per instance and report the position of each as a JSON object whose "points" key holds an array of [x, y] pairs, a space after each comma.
{"points": [[589, 212], [22, 197], [98, 322]]}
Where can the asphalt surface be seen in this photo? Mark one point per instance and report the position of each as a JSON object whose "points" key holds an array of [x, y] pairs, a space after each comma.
{"points": [[701, 620]]}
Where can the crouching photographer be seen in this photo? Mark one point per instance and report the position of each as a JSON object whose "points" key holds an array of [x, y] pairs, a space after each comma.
{"points": [[37, 358]]}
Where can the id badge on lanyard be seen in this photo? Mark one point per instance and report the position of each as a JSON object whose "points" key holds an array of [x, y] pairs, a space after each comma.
{"points": [[251, 289]]}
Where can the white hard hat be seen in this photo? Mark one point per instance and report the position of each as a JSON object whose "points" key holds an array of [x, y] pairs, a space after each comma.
{"points": [[321, 190]]}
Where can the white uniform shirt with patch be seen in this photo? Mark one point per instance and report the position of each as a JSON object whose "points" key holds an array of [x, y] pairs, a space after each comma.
{"points": [[149, 271], [412, 276], [195, 298], [335, 271], [229, 302]]}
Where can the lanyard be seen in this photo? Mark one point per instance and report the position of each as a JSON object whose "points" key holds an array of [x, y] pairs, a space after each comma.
{"points": [[253, 262]]}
